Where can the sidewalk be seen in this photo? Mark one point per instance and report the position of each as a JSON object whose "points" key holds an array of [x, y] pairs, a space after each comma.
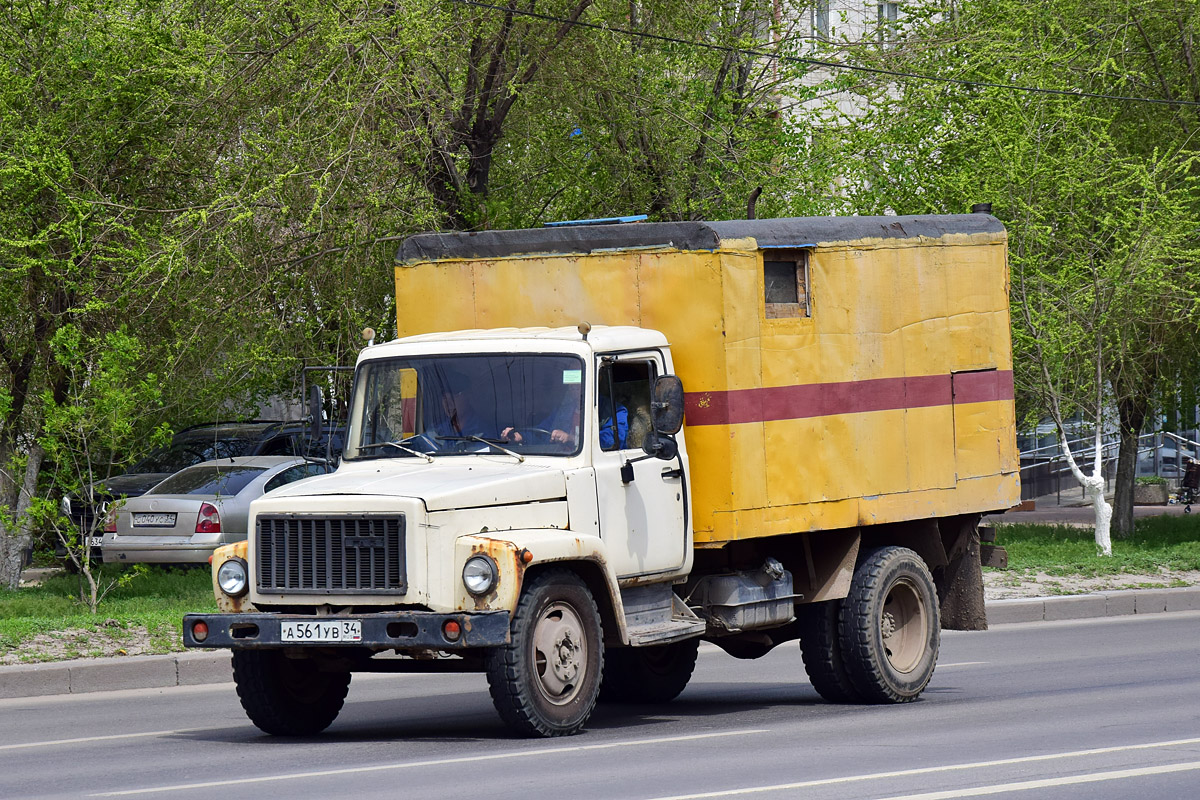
{"points": [[1044, 514], [197, 667]]}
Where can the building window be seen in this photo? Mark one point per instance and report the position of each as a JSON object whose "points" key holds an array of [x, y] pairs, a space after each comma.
{"points": [[821, 19], [786, 284], [889, 13]]}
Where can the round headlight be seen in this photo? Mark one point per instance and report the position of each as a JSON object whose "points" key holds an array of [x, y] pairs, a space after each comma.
{"points": [[479, 575], [231, 577]]}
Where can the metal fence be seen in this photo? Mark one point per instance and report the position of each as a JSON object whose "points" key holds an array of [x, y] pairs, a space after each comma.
{"points": [[1044, 470]]}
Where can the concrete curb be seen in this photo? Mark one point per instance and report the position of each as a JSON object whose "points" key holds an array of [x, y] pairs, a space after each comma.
{"points": [[1087, 606], [199, 667], [108, 674]]}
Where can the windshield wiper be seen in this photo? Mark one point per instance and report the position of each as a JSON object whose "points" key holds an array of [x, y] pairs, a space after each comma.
{"points": [[398, 446], [489, 442]]}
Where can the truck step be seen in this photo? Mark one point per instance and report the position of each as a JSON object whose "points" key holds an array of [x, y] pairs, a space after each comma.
{"points": [[672, 631], [656, 615]]}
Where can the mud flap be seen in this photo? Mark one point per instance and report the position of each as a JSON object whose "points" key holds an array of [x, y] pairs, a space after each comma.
{"points": [[960, 582]]}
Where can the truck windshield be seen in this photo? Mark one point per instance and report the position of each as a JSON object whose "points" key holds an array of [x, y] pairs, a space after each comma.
{"points": [[528, 404]]}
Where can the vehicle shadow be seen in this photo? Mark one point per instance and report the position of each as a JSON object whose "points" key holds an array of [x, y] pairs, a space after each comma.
{"points": [[470, 718]]}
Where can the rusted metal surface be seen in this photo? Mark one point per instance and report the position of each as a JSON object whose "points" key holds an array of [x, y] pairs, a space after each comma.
{"points": [[225, 603], [510, 567]]}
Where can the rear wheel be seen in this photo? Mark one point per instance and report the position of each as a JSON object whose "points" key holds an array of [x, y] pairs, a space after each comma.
{"points": [[889, 626], [544, 682], [821, 650], [648, 674], [288, 696]]}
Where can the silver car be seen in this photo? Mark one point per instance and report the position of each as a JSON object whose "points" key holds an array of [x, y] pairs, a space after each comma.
{"points": [[198, 509]]}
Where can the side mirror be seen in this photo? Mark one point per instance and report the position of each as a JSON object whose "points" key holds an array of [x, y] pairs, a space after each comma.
{"points": [[660, 446], [666, 405], [316, 405]]}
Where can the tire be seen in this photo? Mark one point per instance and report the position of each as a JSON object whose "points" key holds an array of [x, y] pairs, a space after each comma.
{"points": [[821, 651], [889, 626], [648, 674], [545, 681], [285, 696]]}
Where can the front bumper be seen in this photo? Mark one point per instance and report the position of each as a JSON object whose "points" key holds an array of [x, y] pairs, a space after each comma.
{"points": [[390, 629]]}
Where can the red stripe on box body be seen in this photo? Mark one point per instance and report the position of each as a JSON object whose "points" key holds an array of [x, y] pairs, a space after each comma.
{"points": [[803, 401]]}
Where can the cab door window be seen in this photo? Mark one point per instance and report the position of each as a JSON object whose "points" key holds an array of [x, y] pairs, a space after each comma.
{"points": [[623, 399]]}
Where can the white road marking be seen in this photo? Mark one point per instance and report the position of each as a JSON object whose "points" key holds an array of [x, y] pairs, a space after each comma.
{"points": [[437, 762], [1024, 786], [961, 664], [83, 739], [874, 776]]}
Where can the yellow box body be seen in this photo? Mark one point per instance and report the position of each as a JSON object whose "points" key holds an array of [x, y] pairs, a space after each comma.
{"points": [[893, 401]]}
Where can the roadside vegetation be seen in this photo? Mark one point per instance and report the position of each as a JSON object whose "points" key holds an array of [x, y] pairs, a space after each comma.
{"points": [[1157, 543], [47, 621]]}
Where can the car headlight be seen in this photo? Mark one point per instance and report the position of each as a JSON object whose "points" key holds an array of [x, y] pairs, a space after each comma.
{"points": [[65, 505], [232, 577], [480, 575]]}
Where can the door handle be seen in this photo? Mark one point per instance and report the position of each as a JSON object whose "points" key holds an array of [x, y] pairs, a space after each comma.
{"points": [[672, 473]]}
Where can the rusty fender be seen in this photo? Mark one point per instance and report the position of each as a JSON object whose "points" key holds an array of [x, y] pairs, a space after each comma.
{"points": [[516, 551], [225, 603]]}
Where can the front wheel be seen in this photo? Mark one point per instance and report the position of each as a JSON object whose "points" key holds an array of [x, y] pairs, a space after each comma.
{"points": [[288, 696], [889, 628], [544, 682]]}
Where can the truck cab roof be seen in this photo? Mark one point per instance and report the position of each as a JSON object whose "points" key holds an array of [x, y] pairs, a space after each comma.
{"points": [[601, 338]]}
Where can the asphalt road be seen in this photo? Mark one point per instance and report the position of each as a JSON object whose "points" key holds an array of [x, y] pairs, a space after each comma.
{"points": [[1105, 708]]}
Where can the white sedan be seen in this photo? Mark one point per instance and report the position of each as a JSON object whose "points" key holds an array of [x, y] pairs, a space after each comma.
{"points": [[198, 509]]}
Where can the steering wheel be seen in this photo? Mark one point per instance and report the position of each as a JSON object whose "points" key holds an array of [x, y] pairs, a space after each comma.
{"points": [[539, 435]]}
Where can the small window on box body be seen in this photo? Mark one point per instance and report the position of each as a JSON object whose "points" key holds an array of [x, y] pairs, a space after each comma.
{"points": [[785, 284]]}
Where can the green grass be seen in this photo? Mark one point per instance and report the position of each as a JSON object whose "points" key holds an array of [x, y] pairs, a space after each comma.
{"points": [[1171, 542], [150, 605]]}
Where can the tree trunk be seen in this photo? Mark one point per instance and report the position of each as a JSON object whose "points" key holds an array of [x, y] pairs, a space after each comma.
{"points": [[15, 540], [1131, 417]]}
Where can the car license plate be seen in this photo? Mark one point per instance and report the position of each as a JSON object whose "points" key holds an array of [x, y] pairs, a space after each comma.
{"points": [[336, 630], [95, 541], [154, 520]]}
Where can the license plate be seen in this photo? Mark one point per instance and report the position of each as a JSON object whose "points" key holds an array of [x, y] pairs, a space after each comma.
{"points": [[338, 630], [154, 520], [95, 541]]}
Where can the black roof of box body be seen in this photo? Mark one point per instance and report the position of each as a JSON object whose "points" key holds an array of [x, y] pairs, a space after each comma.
{"points": [[786, 232]]}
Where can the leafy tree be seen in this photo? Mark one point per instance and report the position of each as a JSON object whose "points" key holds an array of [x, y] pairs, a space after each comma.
{"points": [[89, 131], [88, 434], [212, 192], [1098, 193]]}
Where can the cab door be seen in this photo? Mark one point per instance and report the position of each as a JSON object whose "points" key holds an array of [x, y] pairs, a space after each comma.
{"points": [[641, 500]]}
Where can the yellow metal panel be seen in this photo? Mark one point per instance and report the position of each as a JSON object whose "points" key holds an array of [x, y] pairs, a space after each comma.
{"points": [[681, 296], [438, 296], [907, 311], [743, 303], [983, 433], [992, 492], [556, 291], [929, 434]]}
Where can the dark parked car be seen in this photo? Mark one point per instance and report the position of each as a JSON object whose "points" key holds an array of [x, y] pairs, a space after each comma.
{"points": [[192, 446]]}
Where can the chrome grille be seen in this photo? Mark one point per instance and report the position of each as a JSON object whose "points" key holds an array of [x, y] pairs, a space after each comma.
{"points": [[352, 554]]}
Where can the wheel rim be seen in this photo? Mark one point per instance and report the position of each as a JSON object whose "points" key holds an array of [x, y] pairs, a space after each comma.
{"points": [[903, 625], [559, 653]]}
